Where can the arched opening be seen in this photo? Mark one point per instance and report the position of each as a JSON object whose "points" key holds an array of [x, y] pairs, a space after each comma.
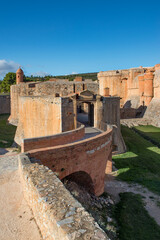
{"points": [[81, 178], [85, 113]]}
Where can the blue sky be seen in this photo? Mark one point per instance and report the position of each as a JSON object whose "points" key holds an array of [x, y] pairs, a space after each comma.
{"points": [[62, 37]]}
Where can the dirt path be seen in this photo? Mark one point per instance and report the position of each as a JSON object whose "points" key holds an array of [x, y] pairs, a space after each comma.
{"points": [[16, 219], [114, 187]]}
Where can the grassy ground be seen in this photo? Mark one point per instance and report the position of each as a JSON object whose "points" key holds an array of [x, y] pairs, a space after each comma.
{"points": [[134, 221], [150, 132], [7, 132], [141, 163]]}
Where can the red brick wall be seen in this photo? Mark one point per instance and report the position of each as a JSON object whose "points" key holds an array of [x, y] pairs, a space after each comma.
{"points": [[90, 155], [54, 140]]}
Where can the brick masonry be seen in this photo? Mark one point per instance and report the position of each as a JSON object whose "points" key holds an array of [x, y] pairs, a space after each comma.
{"points": [[89, 156], [58, 215], [53, 140]]}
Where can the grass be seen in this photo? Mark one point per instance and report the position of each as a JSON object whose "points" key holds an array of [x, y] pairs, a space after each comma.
{"points": [[7, 132], [133, 219], [141, 163], [149, 131]]}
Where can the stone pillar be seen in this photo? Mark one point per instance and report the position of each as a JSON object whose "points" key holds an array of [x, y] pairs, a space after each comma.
{"points": [[19, 76], [148, 87]]}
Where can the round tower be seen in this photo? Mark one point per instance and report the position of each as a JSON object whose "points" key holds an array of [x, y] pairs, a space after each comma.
{"points": [[19, 76]]}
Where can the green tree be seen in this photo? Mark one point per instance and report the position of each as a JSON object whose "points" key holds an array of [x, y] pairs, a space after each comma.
{"points": [[8, 80]]}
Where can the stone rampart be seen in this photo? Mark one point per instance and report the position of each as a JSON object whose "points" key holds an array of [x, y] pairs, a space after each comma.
{"points": [[53, 140], [136, 86], [4, 104], [62, 88], [82, 156], [58, 215]]}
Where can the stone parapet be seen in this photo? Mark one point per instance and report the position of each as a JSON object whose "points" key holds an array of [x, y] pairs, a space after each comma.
{"points": [[58, 215]]}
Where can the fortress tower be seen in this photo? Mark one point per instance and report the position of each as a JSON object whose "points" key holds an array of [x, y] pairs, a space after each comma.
{"points": [[19, 76]]}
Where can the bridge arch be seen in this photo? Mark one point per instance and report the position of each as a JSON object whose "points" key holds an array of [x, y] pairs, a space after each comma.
{"points": [[82, 178]]}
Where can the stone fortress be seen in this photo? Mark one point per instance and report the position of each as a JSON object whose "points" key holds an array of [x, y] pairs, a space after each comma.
{"points": [[138, 88], [54, 140]]}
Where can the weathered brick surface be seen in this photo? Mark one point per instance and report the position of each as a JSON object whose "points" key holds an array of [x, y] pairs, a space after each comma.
{"points": [[89, 156], [58, 215], [54, 140]]}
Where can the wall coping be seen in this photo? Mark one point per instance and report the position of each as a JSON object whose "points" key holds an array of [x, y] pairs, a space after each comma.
{"points": [[58, 215], [55, 135], [88, 140]]}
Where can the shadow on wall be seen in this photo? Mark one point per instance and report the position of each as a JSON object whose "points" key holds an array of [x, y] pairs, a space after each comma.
{"points": [[81, 178], [128, 112]]}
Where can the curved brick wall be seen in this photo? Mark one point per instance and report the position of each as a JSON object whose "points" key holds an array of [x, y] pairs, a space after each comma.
{"points": [[90, 156], [58, 215], [53, 140]]}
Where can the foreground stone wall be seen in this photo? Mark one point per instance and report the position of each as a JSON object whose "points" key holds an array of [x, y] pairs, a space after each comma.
{"points": [[89, 156], [4, 104], [54, 140], [58, 215]]}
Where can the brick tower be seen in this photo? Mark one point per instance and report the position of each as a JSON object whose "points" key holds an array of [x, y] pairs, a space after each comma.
{"points": [[19, 76]]}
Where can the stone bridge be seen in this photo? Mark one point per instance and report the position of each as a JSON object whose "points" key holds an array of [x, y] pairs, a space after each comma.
{"points": [[84, 161]]}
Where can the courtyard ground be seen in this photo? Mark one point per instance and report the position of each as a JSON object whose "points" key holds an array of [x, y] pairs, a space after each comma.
{"points": [[16, 218]]}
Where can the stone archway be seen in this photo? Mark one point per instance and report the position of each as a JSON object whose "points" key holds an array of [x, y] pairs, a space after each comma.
{"points": [[86, 108], [81, 178]]}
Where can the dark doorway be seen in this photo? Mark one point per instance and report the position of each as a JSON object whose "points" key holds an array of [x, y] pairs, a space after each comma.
{"points": [[85, 113]]}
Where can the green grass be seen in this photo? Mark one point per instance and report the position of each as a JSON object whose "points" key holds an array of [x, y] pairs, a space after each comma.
{"points": [[7, 131], [141, 163], [133, 219], [150, 131]]}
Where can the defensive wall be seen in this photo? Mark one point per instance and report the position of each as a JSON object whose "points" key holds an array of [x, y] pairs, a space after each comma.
{"points": [[58, 215], [4, 104], [43, 116], [53, 140], [80, 157], [60, 88]]}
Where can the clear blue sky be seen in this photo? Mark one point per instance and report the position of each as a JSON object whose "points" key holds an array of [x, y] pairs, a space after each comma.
{"points": [[61, 37]]}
